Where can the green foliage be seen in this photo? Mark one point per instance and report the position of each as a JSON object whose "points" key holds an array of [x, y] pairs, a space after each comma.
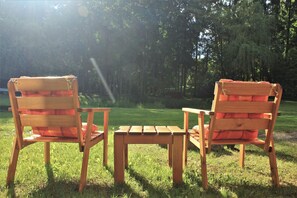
{"points": [[145, 48]]}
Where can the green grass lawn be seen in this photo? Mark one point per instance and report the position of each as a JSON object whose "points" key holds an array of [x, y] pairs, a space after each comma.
{"points": [[148, 174], [4, 101]]}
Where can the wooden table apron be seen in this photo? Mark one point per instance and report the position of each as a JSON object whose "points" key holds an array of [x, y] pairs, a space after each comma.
{"points": [[176, 155]]}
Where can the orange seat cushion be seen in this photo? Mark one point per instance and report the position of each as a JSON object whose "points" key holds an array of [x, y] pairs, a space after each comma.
{"points": [[228, 134], [55, 131]]}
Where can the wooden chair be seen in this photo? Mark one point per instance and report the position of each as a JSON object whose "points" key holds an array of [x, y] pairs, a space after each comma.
{"points": [[51, 107], [239, 111]]}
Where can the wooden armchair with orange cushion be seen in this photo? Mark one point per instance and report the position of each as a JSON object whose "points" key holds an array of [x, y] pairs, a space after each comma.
{"points": [[239, 110], [50, 105]]}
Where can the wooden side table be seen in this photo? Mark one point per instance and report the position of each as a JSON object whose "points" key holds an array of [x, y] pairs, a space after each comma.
{"points": [[170, 135]]}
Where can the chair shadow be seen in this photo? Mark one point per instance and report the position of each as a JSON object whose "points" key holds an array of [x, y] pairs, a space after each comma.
{"points": [[50, 173], [286, 189], [279, 155], [90, 190], [55, 188], [50, 179], [144, 181], [146, 184], [11, 191]]}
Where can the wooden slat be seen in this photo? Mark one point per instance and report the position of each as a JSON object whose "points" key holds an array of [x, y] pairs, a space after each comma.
{"points": [[247, 88], [253, 141], [162, 130], [197, 111], [149, 130], [148, 139], [241, 124], [92, 109], [43, 83], [244, 107], [37, 138], [123, 130], [195, 141], [135, 130], [96, 137], [176, 130], [45, 102], [48, 120]]}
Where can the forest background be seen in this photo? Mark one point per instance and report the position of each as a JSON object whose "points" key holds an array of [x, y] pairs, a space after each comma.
{"points": [[151, 48]]}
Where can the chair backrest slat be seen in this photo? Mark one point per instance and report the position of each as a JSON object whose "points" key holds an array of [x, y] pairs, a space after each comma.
{"points": [[45, 103], [48, 120], [248, 89], [244, 107], [42, 84], [241, 124]]}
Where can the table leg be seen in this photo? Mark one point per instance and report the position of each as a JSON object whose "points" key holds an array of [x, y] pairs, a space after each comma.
{"points": [[169, 148], [126, 155], [119, 158], [177, 159]]}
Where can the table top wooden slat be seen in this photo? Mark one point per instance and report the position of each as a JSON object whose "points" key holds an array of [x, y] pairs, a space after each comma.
{"points": [[176, 130], [123, 130], [149, 130], [136, 130], [162, 130]]}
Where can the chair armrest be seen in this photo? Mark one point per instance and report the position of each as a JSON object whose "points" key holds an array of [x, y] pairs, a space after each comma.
{"points": [[93, 109], [197, 111], [90, 121]]}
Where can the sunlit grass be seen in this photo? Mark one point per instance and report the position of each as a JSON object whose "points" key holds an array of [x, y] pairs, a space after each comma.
{"points": [[148, 174]]}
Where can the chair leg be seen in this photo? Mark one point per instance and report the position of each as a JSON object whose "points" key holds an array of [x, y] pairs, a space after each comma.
{"points": [[273, 167], [84, 169], [203, 168], [46, 152], [242, 155], [13, 163]]}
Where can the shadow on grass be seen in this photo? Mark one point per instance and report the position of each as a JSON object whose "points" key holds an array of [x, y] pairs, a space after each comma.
{"points": [[142, 180], [50, 173], [228, 189], [11, 191], [279, 155], [58, 187], [216, 150], [146, 184], [67, 188], [181, 190], [247, 190]]}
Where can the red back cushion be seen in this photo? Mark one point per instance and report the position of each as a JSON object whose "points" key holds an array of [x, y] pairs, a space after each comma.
{"points": [[55, 131], [244, 134]]}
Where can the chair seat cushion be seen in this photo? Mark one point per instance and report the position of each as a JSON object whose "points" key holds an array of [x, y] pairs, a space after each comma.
{"points": [[227, 134]]}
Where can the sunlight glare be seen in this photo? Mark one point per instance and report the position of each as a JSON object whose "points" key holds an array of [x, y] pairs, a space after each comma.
{"points": [[103, 80], [83, 11]]}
